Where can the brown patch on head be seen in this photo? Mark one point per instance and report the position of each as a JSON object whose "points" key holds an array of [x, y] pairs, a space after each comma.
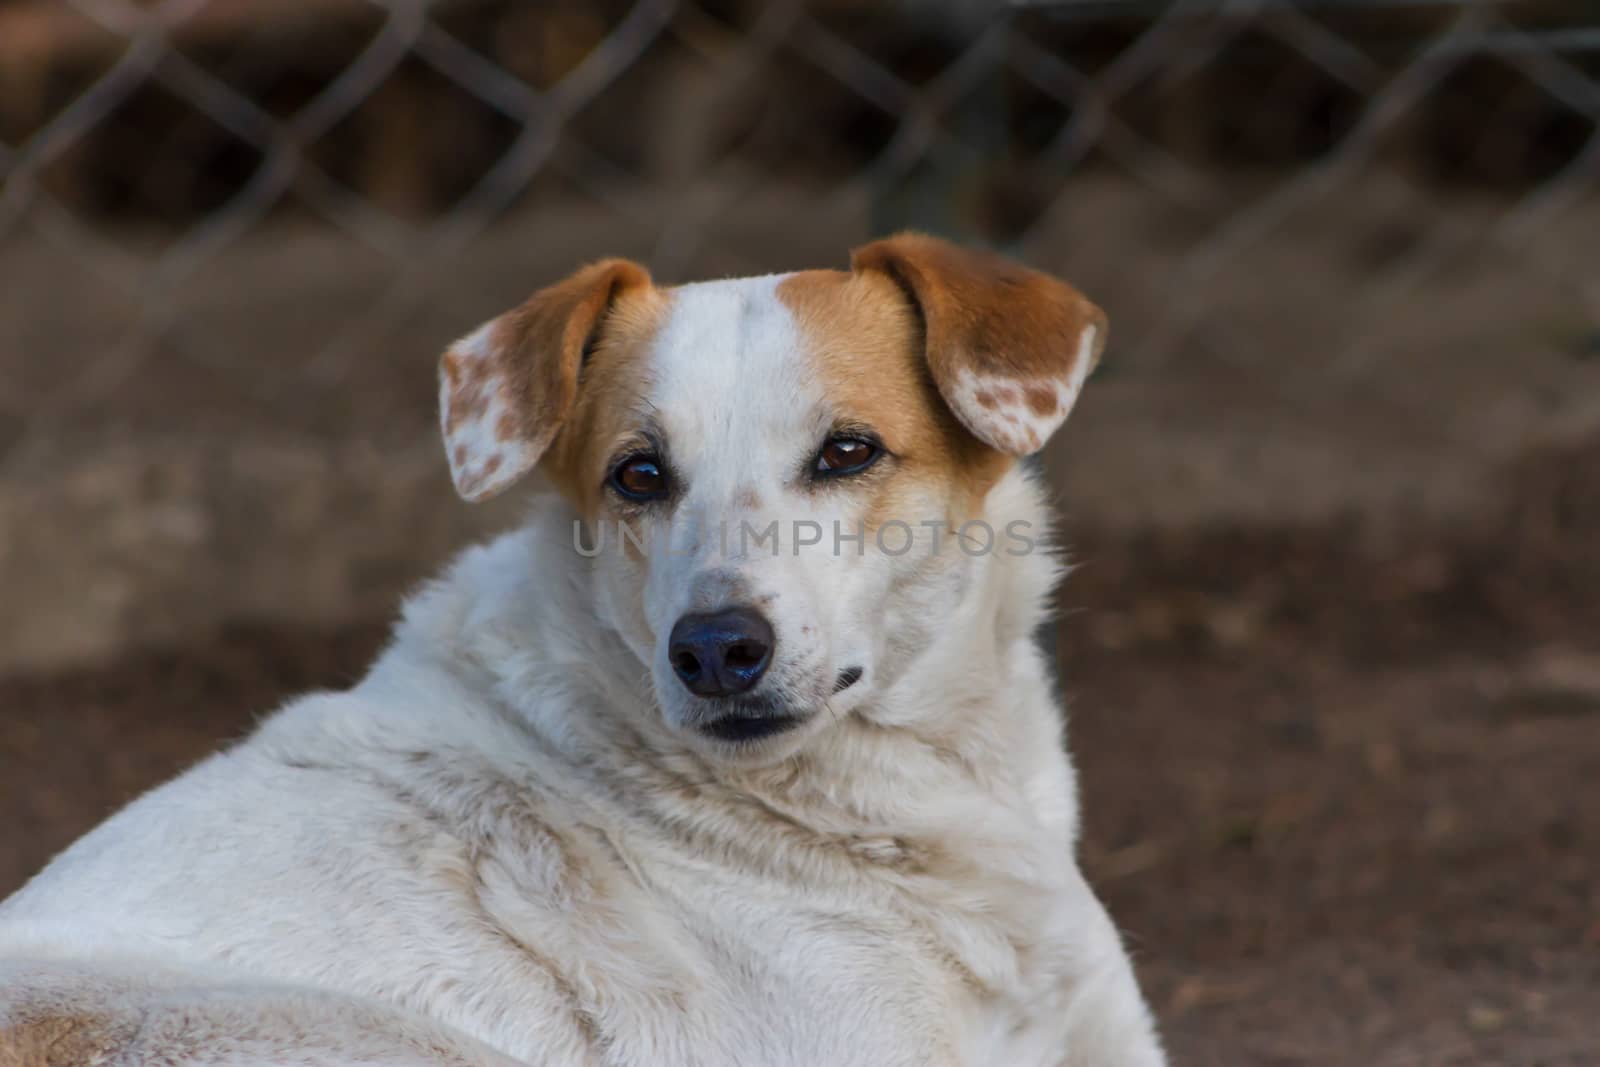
{"points": [[553, 330], [747, 498], [525, 366], [867, 344], [610, 407], [998, 337]]}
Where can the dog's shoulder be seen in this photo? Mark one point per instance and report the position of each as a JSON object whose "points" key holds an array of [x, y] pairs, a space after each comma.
{"points": [[240, 816], [377, 783]]}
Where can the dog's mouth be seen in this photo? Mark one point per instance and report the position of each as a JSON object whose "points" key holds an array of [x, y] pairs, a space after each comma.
{"points": [[744, 726], [751, 720]]}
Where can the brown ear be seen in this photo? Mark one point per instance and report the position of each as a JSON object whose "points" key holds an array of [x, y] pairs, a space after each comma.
{"points": [[506, 389], [1008, 347]]}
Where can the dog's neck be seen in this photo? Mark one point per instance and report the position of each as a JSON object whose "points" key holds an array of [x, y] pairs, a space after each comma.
{"points": [[964, 701]]}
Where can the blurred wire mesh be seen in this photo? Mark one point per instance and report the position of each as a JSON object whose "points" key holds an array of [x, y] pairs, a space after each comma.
{"points": [[229, 214]]}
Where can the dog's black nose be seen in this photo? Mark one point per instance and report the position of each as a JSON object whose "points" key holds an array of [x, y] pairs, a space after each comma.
{"points": [[721, 654]]}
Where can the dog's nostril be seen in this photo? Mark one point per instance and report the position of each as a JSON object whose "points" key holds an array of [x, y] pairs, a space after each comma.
{"points": [[686, 665], [744, 655]]}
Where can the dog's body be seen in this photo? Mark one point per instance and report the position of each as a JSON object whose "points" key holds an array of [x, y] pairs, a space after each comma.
{"points": [[510, 843]]}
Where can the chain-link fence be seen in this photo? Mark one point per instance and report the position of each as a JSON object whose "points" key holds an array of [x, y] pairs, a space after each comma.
{"points": [[231, 223]]}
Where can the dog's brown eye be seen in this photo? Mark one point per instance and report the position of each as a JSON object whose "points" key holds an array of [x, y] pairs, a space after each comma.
{"points": [[846, 455], [640, 478]]}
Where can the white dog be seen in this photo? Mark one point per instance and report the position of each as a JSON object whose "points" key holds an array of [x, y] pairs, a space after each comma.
{"points": [[740, 752]]}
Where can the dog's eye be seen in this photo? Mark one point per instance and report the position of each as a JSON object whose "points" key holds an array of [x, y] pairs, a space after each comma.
{"points": [[846, 455], [640, 478]]}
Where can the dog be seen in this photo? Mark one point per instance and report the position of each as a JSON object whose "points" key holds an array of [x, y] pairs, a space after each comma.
{"points": [[740, 751]]}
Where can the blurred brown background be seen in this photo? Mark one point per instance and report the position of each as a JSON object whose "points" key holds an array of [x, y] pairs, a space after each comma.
{"points": [[1333, 642]]}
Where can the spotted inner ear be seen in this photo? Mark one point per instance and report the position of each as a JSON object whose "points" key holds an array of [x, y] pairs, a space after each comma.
{"points": [[506, 389], [1008, 347]]}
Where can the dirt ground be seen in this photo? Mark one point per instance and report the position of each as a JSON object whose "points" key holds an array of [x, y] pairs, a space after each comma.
{"points": [[1339, 793]]}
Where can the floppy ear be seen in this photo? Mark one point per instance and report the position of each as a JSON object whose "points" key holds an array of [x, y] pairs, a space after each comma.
{"points": [[506, 389], [1008, 347]]}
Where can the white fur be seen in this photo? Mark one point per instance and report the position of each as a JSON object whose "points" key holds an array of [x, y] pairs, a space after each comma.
{"points": [[507, 840]]}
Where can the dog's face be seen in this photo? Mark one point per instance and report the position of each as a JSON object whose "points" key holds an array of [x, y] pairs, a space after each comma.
{"points": [[779, 478]]}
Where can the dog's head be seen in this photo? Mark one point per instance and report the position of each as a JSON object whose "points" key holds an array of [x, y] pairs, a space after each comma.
{"points": [[781, 480]]}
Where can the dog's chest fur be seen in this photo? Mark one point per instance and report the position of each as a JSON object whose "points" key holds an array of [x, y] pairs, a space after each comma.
{"points": [[667, 919]]}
